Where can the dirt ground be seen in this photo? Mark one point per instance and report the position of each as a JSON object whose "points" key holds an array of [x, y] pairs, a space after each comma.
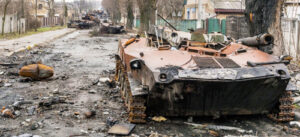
{"points": [[56, 107]]}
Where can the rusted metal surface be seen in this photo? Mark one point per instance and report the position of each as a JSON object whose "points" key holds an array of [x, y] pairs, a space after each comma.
{"points": [[36, 71], [200, 80]]}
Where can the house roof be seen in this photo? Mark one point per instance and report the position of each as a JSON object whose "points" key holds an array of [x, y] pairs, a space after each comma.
{"points": [[229, 5]]}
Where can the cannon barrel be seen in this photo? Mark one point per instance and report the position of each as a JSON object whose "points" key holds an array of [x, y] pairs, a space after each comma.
{"points": [[263, 39]]}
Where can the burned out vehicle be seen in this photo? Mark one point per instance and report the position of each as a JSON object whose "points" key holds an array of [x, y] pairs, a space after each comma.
{"points": [[106, 28], [195, 78], [73, 23], [86, 24]]}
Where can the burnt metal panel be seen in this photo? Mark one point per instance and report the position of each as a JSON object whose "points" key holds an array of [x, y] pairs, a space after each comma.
{"points": [[227, 63], [206, 62], [207, 98]]}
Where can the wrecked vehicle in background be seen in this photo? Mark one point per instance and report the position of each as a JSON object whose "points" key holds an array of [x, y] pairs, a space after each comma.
{"points": [[86, 24], [201, 75], [81, 24], [106, 28], [73, 24]]}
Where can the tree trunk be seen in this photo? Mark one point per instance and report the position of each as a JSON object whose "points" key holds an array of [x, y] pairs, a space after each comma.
{"points": [[147, 14], [35, 24], [65, 13], [4, 15], [264, 16], [130, 17], [116, 12]]}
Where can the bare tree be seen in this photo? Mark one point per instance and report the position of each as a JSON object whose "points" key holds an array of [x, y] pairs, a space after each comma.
{"points": [[170, 9], [264, 16], [6, 3], [36, 7], [130, 16], [147, 8], [51, 11], [113, 8], [65, 12]]}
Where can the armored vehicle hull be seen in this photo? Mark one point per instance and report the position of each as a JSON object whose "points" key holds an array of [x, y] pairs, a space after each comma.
{"points": [[157, 79]]}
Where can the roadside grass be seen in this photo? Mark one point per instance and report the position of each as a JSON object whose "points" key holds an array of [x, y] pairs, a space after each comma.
{"points": [[31, 32]]}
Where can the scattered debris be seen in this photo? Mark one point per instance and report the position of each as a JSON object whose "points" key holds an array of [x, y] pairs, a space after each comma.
{"points": [[31, 110], [49, 101], [295, 124], [297, 116], [111, 83], [240, 136], [103, 80], [17, 113], [213, 133], [18, 104], [296, 100], [7, 113], [121, 129], [159, 118], [110, 121], [25, 135], [90, 113], [8, 64], [92, 91], [218, 128], [36, 71], [34, 126], [84, 132], [55, 91], [7, 85]]}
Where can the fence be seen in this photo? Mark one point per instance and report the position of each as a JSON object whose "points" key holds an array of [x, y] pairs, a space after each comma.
{"points": [[233, 26], [290, 30], [237, 27], [47, 21], [180, 25]]}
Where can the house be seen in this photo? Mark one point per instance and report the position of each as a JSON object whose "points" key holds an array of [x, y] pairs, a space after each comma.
{"points": [[191, 10], [227, 8], [292, 9], [43, 13], [213, 8], [290, 26]]}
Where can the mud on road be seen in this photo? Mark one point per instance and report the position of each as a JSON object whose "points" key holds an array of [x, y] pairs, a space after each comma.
{"points": [[77, 101]]}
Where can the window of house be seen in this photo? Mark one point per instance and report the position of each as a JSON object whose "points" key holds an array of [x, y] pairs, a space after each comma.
{"points": [[188, 13], [193, 10], [40, 6]]}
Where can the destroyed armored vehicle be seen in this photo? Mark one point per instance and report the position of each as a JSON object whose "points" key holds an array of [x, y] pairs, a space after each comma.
{"points": [[73, 23], [86, 24], [214, 76], [106, 28]]}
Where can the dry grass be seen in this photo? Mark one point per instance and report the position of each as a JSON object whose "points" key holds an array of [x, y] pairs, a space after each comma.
{"points": [[28, 33]]}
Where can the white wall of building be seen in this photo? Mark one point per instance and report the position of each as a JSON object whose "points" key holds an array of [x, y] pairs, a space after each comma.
{"points": [[12, 24]]}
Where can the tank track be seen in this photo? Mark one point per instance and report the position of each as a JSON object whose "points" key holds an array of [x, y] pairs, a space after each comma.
{"points": [[135, 104], [285, 110]]}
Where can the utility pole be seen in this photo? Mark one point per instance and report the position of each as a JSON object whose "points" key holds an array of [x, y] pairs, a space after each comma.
{"points": [[199, 23]]}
